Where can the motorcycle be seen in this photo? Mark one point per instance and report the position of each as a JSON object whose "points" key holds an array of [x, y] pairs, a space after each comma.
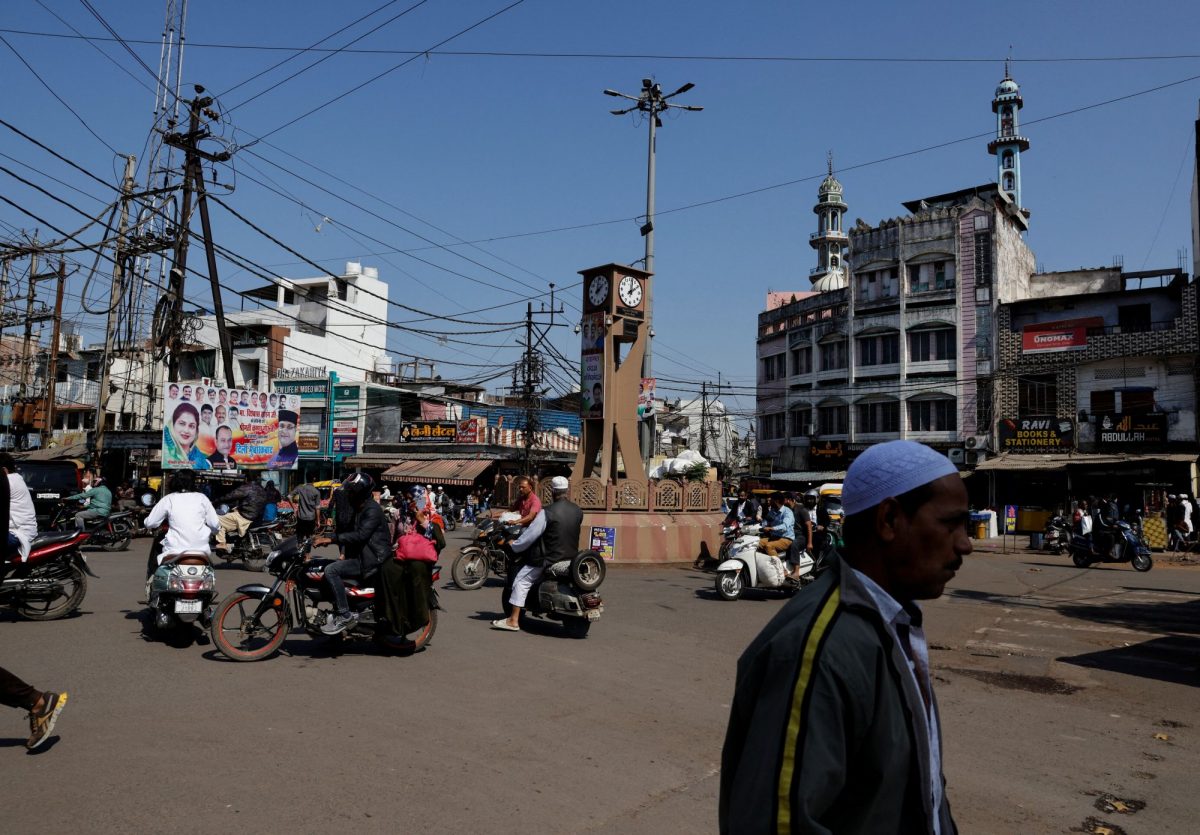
{"points": [[184, 593], [112, 533], [1128, 545], [565, 592], [484, 556], [746, 567], [1057, 536], [253, 547], [251, 623], [52, 583]]}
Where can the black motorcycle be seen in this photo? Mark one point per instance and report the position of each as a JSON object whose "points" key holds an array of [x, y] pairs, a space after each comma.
{"points": [[253, 547], [1056, 538], [252, 623], [485, 555], [112, 533]]}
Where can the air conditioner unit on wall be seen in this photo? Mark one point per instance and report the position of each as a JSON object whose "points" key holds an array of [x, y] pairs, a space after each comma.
{"points": [[975, 456], [978, 442], [957, 455]]}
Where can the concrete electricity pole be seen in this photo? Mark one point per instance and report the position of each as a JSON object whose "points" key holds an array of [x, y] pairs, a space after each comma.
{"points": [[115, 297], [652, 102]]}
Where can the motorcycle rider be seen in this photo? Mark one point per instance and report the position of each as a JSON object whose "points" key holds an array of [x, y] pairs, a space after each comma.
{"points": [[22, 518], [248, 502], [366, 546], [779, 530], [190, 520], [99, 503], [744, 510], [804, 535], [557, 539]]}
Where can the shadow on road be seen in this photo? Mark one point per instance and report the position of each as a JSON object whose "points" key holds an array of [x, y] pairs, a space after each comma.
{"points": [[1183, 617], [1172, 659]]}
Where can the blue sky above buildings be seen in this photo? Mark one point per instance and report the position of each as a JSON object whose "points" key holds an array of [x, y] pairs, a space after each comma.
{"points": [[490, 147]]}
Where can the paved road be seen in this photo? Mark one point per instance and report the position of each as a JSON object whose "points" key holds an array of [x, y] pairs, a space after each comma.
{"points": [[496, 732]]}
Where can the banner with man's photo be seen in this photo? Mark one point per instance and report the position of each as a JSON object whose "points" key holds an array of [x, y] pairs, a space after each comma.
{"points": [[211, 427]]}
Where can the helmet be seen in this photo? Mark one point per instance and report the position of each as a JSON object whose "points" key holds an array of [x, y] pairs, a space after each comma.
{"points": [[358, 486], [811, 495]]}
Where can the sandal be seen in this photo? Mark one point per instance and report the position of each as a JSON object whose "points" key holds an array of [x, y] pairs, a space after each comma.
{"points": [[504, 626]]}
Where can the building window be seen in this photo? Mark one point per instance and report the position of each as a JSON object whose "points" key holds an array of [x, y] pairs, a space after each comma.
{"points": [[927, 346], [878, 284], [72, 420], [89, 420], [1133, 318], [833, 355], [772, 427], [801, 422], [983, 332], [1008, 159], [879, 350], [833, 420], [1137, 401], [1008, 182], [1037, 396], [983, 406], [802, 360], [983, 259], [774, 367], [933, 415], [93, 370], [1103, 402], [879, 417], [930, 276]]}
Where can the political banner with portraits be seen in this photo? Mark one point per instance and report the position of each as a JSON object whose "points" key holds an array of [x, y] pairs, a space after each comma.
{"points": [[211, 427]]}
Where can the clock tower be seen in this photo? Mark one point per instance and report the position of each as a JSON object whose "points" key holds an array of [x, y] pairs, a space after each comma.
{"points": [[614, 334]]}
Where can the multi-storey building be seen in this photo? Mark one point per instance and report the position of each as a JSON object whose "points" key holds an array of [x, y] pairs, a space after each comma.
{"points": [[899, 339]]}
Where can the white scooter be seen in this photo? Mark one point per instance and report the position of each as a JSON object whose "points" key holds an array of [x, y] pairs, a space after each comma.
{"points": [[749, 568]]}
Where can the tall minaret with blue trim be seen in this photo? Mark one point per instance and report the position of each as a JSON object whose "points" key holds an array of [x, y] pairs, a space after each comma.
{"points": [[830, 239], [1008, 144]]}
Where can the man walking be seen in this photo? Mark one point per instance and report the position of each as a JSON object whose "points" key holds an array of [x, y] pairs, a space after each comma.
{"points": [[834, 726], [308, 509]]}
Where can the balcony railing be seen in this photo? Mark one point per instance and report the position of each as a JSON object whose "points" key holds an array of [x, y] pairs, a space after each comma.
{"points": [[829, 233]]}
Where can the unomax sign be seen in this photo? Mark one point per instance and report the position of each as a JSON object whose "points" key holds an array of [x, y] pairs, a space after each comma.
{"points": [[1064, 335]]}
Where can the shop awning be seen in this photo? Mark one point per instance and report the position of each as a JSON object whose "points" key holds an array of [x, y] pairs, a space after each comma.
{"points": [[458, 472], [1012, 461], [812, 475]]}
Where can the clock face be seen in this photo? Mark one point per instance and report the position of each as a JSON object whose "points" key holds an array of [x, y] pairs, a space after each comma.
{"points": [[598, 290], [630, 291]]}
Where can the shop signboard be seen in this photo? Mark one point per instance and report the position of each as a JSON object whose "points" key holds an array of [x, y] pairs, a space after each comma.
{"points": [[467, 431], [604, 542], [1036, 434], [1063, 335], [762, 467], [1010, 518], [429, 431], [345, 420], [827, 454], [314, 396], [211, 427], [1119, 431]]}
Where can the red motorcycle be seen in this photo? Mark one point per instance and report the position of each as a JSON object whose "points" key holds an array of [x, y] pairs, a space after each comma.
{"points": [[51, 584]]}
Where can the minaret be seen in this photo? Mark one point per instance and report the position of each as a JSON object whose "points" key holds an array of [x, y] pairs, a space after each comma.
{"points": [[1008, 144], [830, 238]]}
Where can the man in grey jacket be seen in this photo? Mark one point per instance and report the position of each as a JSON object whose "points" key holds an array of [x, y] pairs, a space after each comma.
{"points": [[834, 726]]}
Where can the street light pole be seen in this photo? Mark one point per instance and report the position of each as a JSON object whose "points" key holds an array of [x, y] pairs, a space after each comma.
{"points": [[652, 102]]}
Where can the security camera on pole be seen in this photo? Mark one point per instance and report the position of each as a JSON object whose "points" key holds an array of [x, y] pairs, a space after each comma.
{"points": [[652, 102]]}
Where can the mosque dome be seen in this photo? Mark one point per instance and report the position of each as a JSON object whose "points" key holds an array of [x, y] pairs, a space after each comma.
{"points": [[1007, 87]]}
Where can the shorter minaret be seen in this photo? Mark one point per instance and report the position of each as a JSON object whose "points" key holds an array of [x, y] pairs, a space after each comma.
{"points": [[1008, 144], [830, 240]]}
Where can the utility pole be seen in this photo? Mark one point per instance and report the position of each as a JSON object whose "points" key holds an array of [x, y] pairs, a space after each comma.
{"points": [[115, 297], [52, 363], [704, 419], [170, 331], [28, 342], [652, 102], [527, 381]]}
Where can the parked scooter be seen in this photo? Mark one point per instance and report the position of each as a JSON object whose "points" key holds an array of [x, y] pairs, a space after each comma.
{"points": [[252, 623], [52, 583], [1057, 536], [749, 568], [1127, 545], [182, 592]]}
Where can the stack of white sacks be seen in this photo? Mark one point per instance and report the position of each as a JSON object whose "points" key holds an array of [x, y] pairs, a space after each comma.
{"points": [[677, 467]]}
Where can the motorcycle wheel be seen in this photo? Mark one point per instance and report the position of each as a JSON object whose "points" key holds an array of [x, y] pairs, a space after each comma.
{"points": [[1142, 562], [588, 570], [451, 524], [1080, 559], [74, 583], [470, 569], [256, 563], [729, 584], [118, 538], [234, 636], [577, 627]]}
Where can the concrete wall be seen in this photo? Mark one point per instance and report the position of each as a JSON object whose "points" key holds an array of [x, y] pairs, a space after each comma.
{"points": [[1073, 283]]}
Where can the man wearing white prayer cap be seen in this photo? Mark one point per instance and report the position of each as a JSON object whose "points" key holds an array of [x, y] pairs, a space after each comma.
{"points": [[834, 726]]}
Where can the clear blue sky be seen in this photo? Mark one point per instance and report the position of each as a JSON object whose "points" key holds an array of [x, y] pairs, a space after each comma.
{"points": [[485, 146]]}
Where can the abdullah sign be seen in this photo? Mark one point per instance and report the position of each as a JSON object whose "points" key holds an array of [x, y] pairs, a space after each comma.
{"points": [[1064, 335]]}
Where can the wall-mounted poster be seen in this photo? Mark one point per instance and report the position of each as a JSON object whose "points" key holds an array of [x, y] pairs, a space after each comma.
{"points": [[645, 405], [591, 386], [591, 333], [209, 427]]}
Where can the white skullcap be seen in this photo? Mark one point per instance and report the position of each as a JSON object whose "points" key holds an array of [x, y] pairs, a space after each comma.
{"points": [[890, 469], [559, 484]]}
